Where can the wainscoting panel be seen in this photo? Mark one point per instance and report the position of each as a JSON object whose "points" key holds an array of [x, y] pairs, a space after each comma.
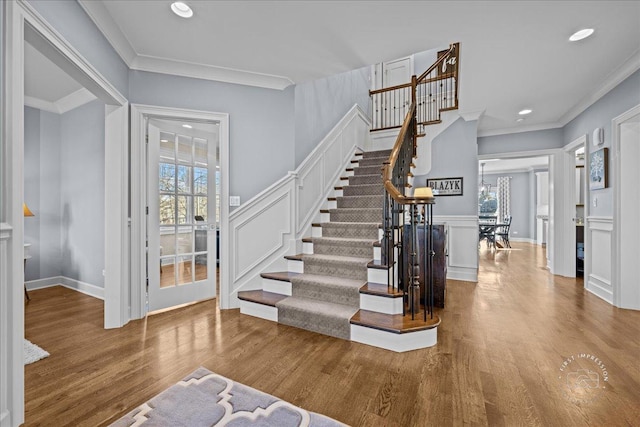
{"points": [[269, 226], [6, 364], [462, 246], [600, 231]]}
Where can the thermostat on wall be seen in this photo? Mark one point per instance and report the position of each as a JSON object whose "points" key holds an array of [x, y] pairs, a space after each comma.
{"points": [[598, 136], [234, 200]]}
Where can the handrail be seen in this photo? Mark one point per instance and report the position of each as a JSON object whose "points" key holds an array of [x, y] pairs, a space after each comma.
{"points": [[436, 90]]}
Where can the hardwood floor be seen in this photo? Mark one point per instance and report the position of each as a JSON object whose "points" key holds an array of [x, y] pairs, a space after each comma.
{"points": [[501, 345]]}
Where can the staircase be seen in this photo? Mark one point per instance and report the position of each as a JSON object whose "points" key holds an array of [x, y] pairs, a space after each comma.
{"points": [[358, 277], [338, 285]]}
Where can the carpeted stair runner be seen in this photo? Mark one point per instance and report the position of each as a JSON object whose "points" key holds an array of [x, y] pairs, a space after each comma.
{"points": [[327, 294]]}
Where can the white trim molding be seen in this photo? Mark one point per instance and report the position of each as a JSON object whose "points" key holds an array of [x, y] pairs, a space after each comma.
{"points": [[139, 113], [270, 225], [598, 257], [62, 105], [76, 285], [462, 246], [625, 294]]}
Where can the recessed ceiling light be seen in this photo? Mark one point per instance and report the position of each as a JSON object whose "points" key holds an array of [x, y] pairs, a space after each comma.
{"points": [[164, 140], [521, 119], [181, 9], [582, 34], [187, 126], [525, 112]]}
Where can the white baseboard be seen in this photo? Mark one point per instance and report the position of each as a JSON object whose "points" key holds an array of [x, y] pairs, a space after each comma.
{"points": [[394, 342], [523, 240], [76, 285], [600, 288], [463, 274]]}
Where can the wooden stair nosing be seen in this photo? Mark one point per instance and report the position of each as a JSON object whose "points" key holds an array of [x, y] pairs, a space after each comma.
{"points": [[377, 264], [297, 257], [282, 276], [261, 297], [395, 323], [332, 199], [381, 290]]}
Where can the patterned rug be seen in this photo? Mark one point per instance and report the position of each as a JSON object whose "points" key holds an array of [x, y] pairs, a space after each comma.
{"points": [[32, 353], [204, 398]]}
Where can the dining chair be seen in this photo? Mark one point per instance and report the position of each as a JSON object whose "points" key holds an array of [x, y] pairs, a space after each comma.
{"points": [[502, 231]]}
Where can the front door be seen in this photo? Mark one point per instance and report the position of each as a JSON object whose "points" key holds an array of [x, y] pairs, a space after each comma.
{"points": [[181, 227]]}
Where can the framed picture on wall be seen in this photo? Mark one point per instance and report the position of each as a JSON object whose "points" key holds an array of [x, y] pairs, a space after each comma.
{"points": [[445, 186], [598, 169]]}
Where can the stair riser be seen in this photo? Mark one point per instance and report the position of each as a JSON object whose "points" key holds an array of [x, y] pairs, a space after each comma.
{"points": [[364, 190], [394, 342], [308, 248], [325, 217], [377, 275], [321, 324], [372, 234], [368, 170], [276, 286], [326, 294], [362, 215], [332, 204], [366, 180], [295, 266], [363, 202], [359, 251], [348, 271], [381, 304], [375, 161], [259, 310], [338, 193], [378, 153]]}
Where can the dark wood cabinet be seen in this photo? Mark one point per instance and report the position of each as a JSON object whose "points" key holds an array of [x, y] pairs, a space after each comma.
{"points": [[439, 235]]}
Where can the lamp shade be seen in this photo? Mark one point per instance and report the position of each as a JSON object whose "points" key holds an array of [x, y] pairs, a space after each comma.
{"points": [[423, 192], [26, 210]]}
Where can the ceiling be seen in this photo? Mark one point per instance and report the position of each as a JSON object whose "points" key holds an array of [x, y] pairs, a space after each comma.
{"points": [[513, 54]]}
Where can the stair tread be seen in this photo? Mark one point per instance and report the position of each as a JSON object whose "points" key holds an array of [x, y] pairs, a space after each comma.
{"points": [[343, 240], [261, 297], [376, 263], [380, 289], [330, 280], [320, 308], [396, 323], [335, 258], [350, 224], [283, 276]]}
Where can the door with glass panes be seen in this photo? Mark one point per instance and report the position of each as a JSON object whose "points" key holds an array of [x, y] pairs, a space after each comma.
{"points": [[181, 228]]}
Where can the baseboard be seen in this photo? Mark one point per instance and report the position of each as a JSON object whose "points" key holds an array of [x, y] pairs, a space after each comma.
{"points": [[48, 282], [523, 240], [600, 288], [76, 285], [462, 274]]}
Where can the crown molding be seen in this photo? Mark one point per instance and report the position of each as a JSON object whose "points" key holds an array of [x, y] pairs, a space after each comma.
{"points": [[135, 61], [519, 129], [62, 105], [209, 72], [108, 27], [617, 76]]}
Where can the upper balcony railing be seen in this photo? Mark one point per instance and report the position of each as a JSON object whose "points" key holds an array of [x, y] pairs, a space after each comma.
{"points": [[434, 91]]}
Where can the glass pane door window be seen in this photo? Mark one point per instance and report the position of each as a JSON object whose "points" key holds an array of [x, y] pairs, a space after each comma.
{"points": [[179, 194]]}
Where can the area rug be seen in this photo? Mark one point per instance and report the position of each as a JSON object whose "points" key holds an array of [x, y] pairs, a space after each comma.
{"points": [[33, 353], [204, 398]]}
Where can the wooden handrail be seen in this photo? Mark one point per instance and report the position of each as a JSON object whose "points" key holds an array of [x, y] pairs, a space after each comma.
{"points": [[438, 62], [389, 89]]}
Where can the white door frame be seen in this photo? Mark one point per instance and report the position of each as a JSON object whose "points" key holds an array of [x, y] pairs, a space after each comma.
{"points": [[138, 196], [569, 213], [22, 21], [617, 248], [556, 236]]}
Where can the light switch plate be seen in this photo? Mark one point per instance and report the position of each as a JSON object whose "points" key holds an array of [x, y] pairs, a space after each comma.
{"points": [[234, 200]]}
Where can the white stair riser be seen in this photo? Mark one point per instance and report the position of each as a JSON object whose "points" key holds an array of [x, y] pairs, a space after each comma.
{"points": [[337, 193], [377, 253], [325, 217], [377, 275], [259, 310], [316, 231], [307, 248], [348, 173], [295, 266], [394, 342], [276, 286], [380, 304], [333, 204]]}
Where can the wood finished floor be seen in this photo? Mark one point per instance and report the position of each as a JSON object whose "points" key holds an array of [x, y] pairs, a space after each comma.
{"points": [[497, 362]]}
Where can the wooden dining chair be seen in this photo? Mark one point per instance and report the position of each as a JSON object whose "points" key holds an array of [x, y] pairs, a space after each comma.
{"points": [[502, 231]]}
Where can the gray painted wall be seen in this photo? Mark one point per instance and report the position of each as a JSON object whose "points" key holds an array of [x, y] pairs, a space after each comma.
{"points": [[523, 141], [620, 99], [455, 155], [82, 164], [523, 212], [64, 188], [71, 21], [321, 103], [42, 193], [261, 134]]}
